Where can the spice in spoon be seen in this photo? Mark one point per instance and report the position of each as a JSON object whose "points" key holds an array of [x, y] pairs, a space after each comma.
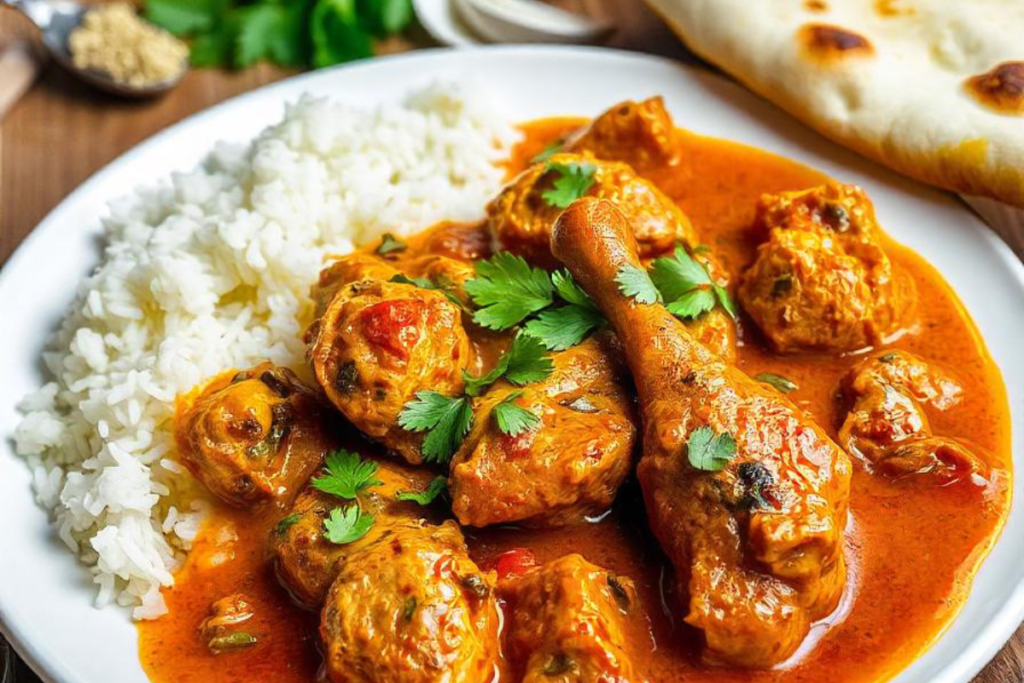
{"points": [[113, 39]]}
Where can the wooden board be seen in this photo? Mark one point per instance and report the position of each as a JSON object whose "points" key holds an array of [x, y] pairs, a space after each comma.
{"points": [[61, 132]]}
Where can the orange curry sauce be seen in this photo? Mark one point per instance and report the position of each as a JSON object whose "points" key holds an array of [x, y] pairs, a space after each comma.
{"points": [[912, 549]]}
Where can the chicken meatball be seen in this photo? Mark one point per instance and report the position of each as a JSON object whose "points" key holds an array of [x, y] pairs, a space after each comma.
{"points": [[822, 282], [306, 562], [521, 218], [252, 436], [887, 426], [411, 608], [567, 467], [640, 134], [566, 623], [377, 344]]}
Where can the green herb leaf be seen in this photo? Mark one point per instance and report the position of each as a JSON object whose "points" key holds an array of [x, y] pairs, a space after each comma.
{"points": [[692, 304], [231, 641], [564, 327], [435, 488], [702, 249], [347, 475], [184, 17], [636, 283], [783, 384], [287, 523], [708, 451], [336, 33], [570, 291], [725, 301], [215, 48], [446, 420], [386, 17], [512, 418], [347, 524], [571, 182], [526, 361], [421, 282], [390, 244], [549, 151], [274, 32], [678, 274], [507, 290]]}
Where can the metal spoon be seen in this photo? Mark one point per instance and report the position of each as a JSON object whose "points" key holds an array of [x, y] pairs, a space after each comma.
{"points": [[56, 19]]}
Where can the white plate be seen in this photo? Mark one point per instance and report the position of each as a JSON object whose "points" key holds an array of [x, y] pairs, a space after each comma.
{"points": [[45, 598]]}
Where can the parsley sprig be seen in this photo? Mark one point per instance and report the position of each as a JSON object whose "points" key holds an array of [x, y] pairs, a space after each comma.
{"points": [[507, 290], [571, 181], [708, 451], [680, 281], [565, 326]]}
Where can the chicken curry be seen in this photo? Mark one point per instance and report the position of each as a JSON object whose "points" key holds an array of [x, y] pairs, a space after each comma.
{"points": [[676, 410]]}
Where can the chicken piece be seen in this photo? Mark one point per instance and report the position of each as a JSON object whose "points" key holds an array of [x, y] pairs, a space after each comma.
{"points": [[411, 608], [377, 343], [252, 436], [565, 623], [887, 426], [223, 630], [757, 537], [822, 282], [306, 562], [521, 218], [640, 134], [569, 466]]}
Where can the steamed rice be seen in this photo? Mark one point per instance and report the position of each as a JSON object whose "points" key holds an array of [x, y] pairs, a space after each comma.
{"points": [[211, 271]]}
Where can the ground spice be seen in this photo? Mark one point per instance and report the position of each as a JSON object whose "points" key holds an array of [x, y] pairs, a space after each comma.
{"points": [[114, 40]]}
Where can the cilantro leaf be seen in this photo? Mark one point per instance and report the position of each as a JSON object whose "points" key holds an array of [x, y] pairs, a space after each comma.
{"points": [[386, 17], [572, 182], [549, 151], [347, 524], [336, 33], [435, 488], [692, 304], [347, 475], [446, 420], [561, 328], [636, 283], [526, 361], [570, 291], [421, 282], [390, 244], [678, 274], [287, 523], [271, 31], [725, 301], [507, 290], [512, 418], [783, 384], [183, 17], [708, 451]]}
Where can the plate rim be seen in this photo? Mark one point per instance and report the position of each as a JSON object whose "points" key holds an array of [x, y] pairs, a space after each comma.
{"points": [[960, 668]]}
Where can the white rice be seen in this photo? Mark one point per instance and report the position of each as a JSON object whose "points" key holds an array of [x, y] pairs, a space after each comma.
{"points": [[211, 271]]}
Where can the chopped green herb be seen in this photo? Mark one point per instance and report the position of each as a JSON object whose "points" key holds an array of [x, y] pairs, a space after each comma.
{"points": [[549, 151], [636, 283], [692, 304], [565, 326], [702, 249], [507, 290], [435, 488], [526, 361], [409, 608], [347, 475], [887, 357], [287, 523], [783, 384], [347, 524], [390, 244], [512, 418], [571, 182], [619, 591], [708, 451], [446, 419], [235, 640]]}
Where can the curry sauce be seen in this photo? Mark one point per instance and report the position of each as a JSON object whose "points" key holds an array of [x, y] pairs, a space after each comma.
{"points": [[912, 550]]}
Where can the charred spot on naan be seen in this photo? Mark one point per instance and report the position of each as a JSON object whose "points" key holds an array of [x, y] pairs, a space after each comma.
{"points": [[893, 8], [826, 43], [1000, 89], [816, 5]]}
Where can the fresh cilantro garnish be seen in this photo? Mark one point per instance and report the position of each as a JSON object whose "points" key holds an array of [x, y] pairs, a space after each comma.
{"points": [[347, 475], [444, 286], [446, 419], [526, 361], [692, 304], [512, 418], [571, 182], [636, 283], [390, 244], [507, 290], [287, 523], [783, 384], [686, 286], [347, 524], [565, 326], [570, 291], [549, 151], [435, 488], [708, 451], [702, 249]]}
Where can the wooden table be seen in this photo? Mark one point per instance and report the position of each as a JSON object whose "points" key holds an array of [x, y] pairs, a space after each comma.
{"points": [[62, 132]]}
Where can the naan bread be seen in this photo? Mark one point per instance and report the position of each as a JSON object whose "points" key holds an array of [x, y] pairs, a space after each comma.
{"points": [[933, 88]]}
